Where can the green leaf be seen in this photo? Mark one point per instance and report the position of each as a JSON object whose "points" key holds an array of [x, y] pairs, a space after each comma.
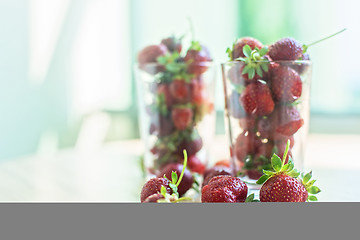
{"points": [[290, 165], [246, 69], [229, 53], [307, 177], [174, 177], [173, 187], [163, 190], [262, 179], [314, 190], [259, 71], [250, 198], [312, 198], [247, 50], [251, 73], [309, 184], [276, 163], [294, 173], [265, 66], [268, 172], [162, 60], [264, 51]]}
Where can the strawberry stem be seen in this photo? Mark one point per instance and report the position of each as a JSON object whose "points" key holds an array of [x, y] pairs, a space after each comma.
{"points": [[305, 47], [183, 170], [286, 152]]}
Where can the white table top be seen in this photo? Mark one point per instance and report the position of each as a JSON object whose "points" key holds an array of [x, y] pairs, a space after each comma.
{"points": [[111, 172]]}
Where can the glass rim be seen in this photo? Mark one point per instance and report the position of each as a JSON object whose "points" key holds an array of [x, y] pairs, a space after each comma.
{"points": [[202, 63]]}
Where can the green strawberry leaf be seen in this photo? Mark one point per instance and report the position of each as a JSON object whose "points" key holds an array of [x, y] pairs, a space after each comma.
{"points": [[264, 51], [314, 190], [229, 53], [247, 50], [173, 187], [293, 173], [163, 190], [251, 73], [258, 70], [276, 163], [262, 179], [250, 198], [311, 183], [246, 69], [174, 177], [269, 173], [312, 198], [307, 177], [265, 66], [162, 60]]}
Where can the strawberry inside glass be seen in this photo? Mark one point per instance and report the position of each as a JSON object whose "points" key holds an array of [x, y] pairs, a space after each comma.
{"points": [[267, 102]]}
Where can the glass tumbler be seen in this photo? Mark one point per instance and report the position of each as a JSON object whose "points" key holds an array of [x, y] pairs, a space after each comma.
{"points": [[176, 113], [265, 112]]}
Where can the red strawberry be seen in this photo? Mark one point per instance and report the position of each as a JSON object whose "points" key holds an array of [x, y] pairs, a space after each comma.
{"points": [[266, 127], [180, 90], [265, 149], [247, 123], [253, 173], [187, 179], [286, 49], [215, 171], [173, 44], [286, 84], [246, 144], [256, 99], [150, 54], [195, 164], [164, 91], [154, 186], [301, 67], [191, 146], [283, 184], [198, 93], [198, 58], [227, 189], [161, 125], [182, 117], [237, 50], [282, 139], [154, 198], [287, 120]]}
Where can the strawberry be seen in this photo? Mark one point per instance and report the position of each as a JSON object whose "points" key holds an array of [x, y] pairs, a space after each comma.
{"points": [[247, 123], [284, 185], [198, 93], [286, 84], [161, 125], [180, 90], [266, 126], [154, 186], [302, 66], [192, 146], [187, 179], [287, 120], [256, 99], [154, 198], [195, 164], [163, 91], [197, 58], [237, 49], [172, 43], [215, 171], [226, 189], [182, 117], [286, 49], [246, 144], [149, 55]]}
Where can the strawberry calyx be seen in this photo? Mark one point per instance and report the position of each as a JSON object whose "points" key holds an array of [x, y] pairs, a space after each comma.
{"points": [[255, 61], [309, 186], [289, 170], [174, 184], [250, 198]]}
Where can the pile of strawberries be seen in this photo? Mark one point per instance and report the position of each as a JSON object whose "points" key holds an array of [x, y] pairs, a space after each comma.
{"points": [[180, 100], [263, 97], [283, 184]]}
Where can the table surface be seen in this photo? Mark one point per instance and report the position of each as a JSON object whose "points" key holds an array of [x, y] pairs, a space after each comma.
{"points": [[111, 172]]}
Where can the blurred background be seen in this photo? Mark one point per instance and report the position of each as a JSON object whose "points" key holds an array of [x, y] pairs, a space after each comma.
{"points": [[66, 78]]}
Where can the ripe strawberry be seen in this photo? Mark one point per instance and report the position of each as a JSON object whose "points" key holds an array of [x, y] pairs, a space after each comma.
{"points": [[154, 186], [256, 99], [172, 43], [163, 90], [150, 54], [246, 144], [192, 146], [154, 198], [286, 84], [187, 179], [182, 117], [161, 125], [287, 120], [198, 58], [248, 123], [283, 184], [195, 164], [237, 50], [198, 93], [286, 49], [180, 90], [227, 189], [266, 126], [215, 171], [301, 67]]}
